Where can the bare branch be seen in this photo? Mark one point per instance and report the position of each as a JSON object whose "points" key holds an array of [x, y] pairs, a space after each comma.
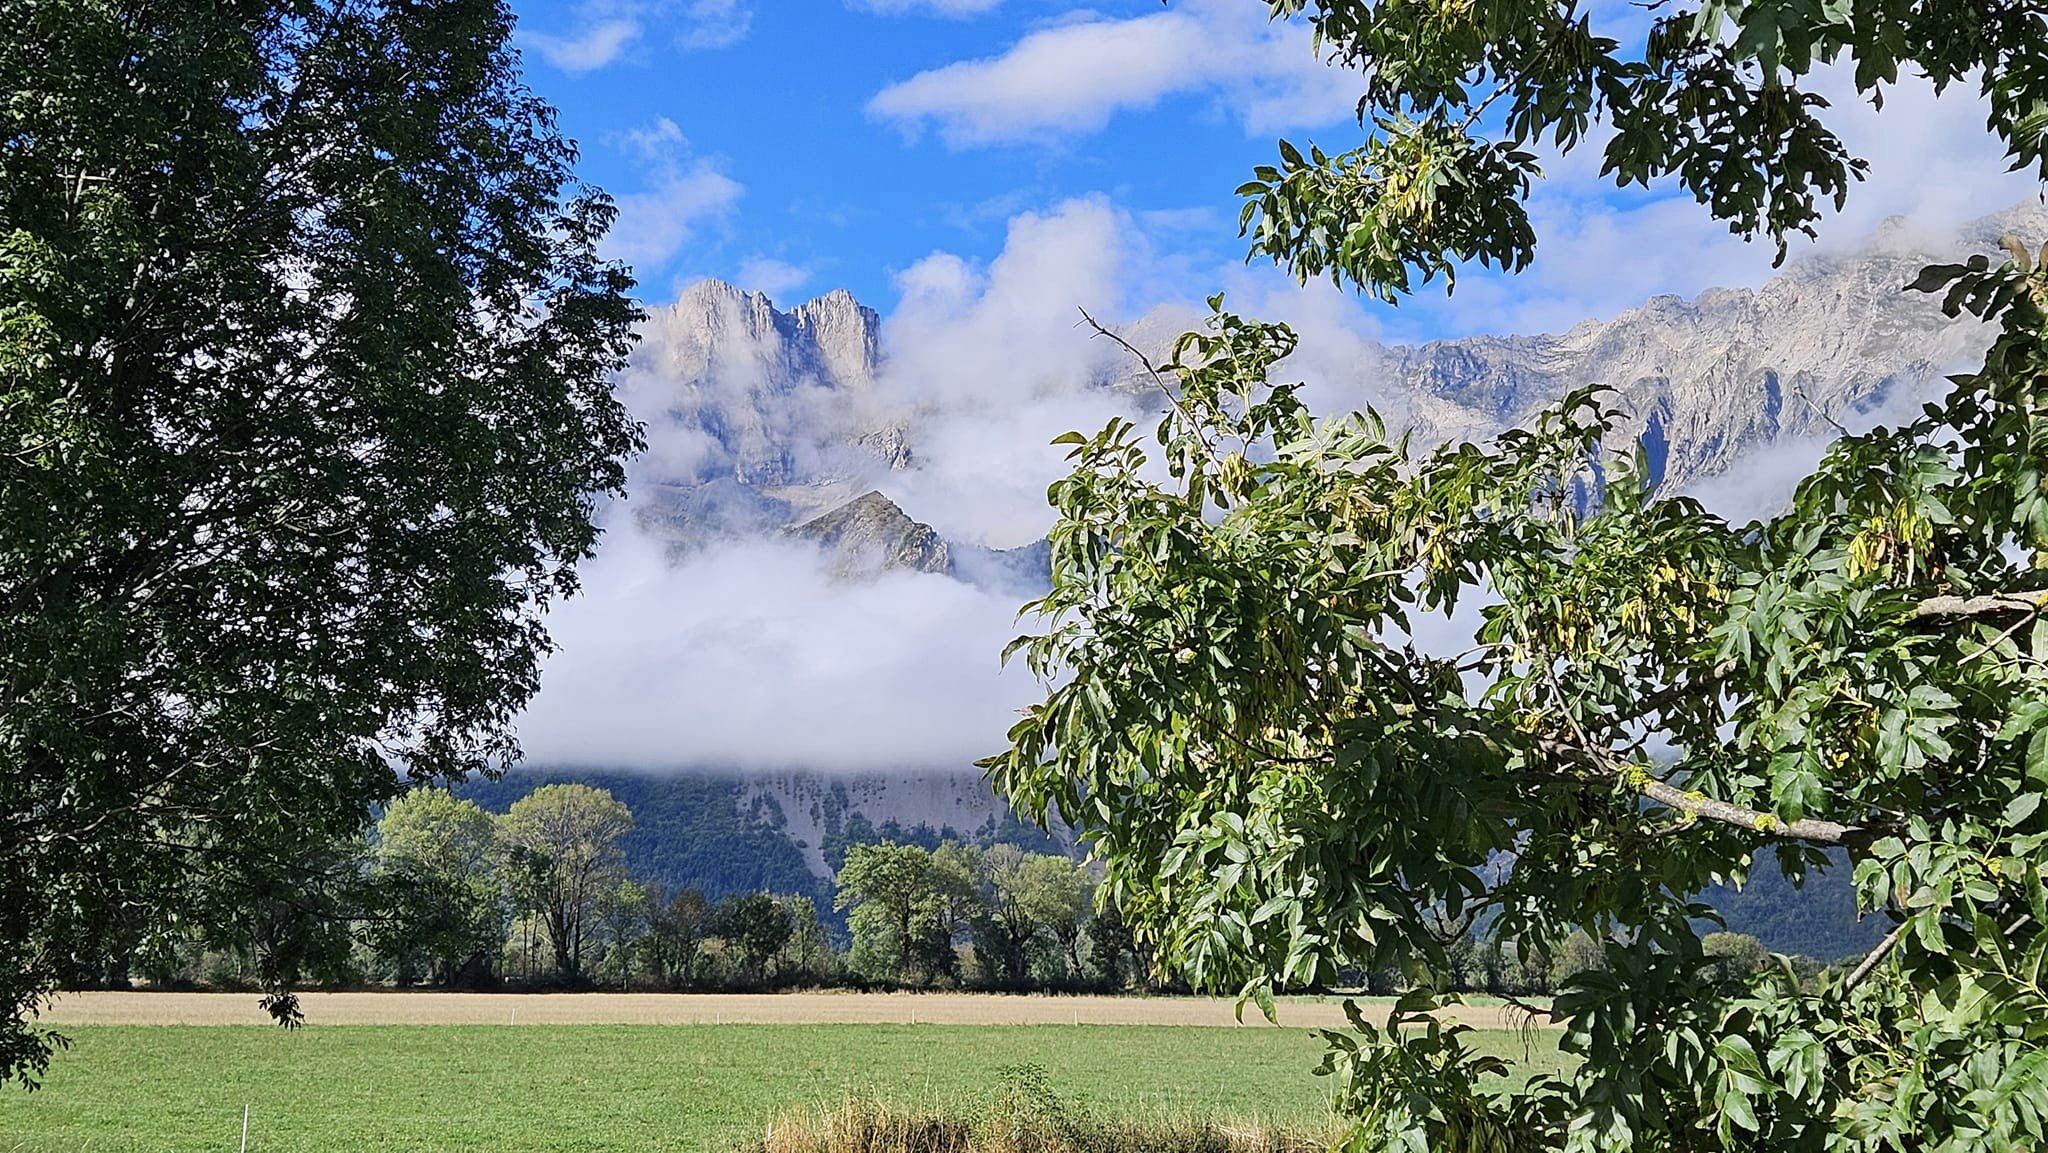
{"points": [[1159, 380]]}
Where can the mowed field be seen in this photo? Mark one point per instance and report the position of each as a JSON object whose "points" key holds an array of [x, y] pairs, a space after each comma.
{"points": [[585, 1088]]}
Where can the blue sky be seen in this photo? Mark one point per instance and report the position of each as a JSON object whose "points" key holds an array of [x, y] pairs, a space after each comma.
{"points": [[801, 145], [848, 195]]}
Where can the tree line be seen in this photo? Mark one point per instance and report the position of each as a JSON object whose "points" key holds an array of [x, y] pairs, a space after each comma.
{"points": [[442, 893]]}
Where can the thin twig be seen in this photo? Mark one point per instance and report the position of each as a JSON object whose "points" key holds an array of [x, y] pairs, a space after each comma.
{"points": [[1159, 380], [2001, 638], [1870, 963]]}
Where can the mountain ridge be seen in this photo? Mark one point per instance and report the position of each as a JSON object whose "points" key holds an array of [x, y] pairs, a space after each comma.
{"points": [[787, 423]]}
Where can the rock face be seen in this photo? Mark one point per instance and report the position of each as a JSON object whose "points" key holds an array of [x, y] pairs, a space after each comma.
{"points": [[1828, 342], [869, 535], [816, 808], [760, 417], [772, 421]]}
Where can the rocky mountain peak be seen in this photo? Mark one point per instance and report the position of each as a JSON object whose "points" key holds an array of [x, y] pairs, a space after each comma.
{"points": [[844, 333], [832, 340], [870, 535]]}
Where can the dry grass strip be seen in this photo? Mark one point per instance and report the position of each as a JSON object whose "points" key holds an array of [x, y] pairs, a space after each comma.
{"points": [[411, 1008]]}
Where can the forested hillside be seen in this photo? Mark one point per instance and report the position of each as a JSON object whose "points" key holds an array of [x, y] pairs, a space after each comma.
{"points": [[725, 832]]}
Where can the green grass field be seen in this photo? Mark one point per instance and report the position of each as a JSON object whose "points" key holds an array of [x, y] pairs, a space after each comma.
{"points": [[585, 1088]]}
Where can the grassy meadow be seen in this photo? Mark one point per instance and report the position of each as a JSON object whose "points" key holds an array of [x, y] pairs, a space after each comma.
{"points": [[590, 1088]]}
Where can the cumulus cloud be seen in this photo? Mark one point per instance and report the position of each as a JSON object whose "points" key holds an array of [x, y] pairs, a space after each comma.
{"points": [[680, 193], [770, 276], [588, 48], [997, 362], [1072, 77]]}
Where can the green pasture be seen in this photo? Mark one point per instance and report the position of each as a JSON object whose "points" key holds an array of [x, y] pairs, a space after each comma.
{"points": [[586, 1088]]}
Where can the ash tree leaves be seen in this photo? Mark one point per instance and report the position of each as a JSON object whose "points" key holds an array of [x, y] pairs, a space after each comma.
{"points": [[305, 360], [1284, 788], [1458, 96]]}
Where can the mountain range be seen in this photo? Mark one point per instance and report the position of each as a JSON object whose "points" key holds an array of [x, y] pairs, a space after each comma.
{"points": [[781, 421]]}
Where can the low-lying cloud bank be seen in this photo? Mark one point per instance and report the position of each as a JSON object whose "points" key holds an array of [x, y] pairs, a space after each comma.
{"points": [[749, 655]]}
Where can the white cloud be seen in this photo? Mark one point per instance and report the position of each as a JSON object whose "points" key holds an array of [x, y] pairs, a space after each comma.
{"points": [[997, 362], [604, 30], [708, 24], [682, 192], [1072, 77], [771, 277], [751, 656], [588, 49], [654, 225], [954, 8]]}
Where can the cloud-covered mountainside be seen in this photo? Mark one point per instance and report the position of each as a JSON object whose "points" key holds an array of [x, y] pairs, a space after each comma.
{"points": [[796, 618], [770, 421]]}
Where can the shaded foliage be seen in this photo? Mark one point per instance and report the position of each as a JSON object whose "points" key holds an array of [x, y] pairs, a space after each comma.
{"points": [[305, 362]]}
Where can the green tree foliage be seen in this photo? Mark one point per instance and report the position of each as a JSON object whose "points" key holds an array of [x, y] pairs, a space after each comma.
{"points": [[305, 353], [1714, 97], [887, 891], [675, 937], [565, 838], [442, 905], [1007, 926], [623, 920], [1283, 788], [755, 926], [808, 956]]}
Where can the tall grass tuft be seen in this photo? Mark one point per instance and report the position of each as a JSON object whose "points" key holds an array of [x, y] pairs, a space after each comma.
{"points": [[1025, 1116]]}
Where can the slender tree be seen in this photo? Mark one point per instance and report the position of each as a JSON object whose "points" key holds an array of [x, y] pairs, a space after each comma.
{"points": [[568, 836]]}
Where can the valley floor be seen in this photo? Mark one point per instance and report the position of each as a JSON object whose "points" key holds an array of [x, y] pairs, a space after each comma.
{"points": [[627, 1089]]}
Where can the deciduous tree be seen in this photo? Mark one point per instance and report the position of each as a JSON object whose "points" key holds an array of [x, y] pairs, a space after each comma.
{"points": [[440, 904], [305, 360], [566, 837], [1282, 786]]}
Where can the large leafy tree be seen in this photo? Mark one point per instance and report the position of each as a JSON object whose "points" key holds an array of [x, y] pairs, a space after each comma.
{"points": [[304, 406], [1283, 787], [440, 905], [567, 843]]}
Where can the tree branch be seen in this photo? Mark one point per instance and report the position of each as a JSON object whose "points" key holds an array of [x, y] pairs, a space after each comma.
{"points": [[1870, 962], [1989, 604], [1638, 778], [1159, 380]]}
